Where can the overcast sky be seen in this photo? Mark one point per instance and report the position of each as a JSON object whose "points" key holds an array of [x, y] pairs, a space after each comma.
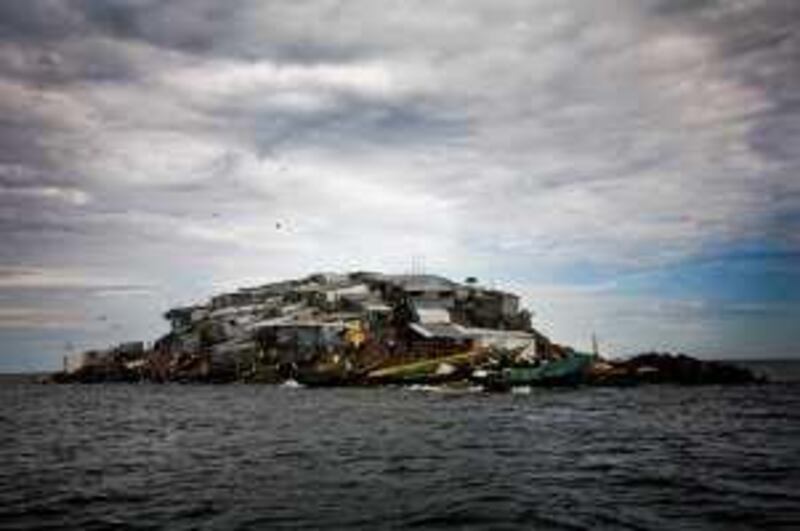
{"points": [[629, 166]]}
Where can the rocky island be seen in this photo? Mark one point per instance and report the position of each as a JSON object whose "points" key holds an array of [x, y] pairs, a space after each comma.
{"points": [[368, 328]]}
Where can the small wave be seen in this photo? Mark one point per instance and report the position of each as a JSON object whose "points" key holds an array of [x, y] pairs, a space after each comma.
{"points": [[444, 389]]}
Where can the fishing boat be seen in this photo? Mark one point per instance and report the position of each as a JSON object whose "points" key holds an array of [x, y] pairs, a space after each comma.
{"points": [[429, 371], [336, 372], [569, 370]]}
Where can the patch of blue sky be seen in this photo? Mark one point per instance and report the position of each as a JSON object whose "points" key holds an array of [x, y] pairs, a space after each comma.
{"points": [[753, 272]]}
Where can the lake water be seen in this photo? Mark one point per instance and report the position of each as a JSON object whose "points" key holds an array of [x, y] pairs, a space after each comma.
{"points": [[263, 457]]}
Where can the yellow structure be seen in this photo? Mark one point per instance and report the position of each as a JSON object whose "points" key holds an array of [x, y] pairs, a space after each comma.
{"points": [[354, 334]]}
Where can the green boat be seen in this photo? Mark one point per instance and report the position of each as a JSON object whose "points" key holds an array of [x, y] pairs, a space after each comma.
{"points": [[571, 370]]}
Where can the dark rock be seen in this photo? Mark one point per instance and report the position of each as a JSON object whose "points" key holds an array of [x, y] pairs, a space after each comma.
{"points": [[655, 367]]}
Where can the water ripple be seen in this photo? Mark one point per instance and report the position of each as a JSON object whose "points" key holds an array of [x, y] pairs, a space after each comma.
{"points": [[252, 457]]}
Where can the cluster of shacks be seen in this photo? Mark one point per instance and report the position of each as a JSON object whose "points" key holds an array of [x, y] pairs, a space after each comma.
{"points": [[354, 322], [367, 328]]}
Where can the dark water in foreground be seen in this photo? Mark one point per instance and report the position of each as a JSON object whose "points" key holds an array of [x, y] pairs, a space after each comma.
{"points": [[258, 457]]}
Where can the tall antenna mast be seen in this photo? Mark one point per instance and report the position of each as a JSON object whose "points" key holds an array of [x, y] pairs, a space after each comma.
{"points": [[417, 264]]}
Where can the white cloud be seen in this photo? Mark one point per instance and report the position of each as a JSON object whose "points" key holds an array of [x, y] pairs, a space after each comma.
{"points": [[38, 318], [225, 79], [72, 196], [23, 277]]}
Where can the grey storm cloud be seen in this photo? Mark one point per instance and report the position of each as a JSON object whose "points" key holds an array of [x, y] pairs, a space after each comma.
{"points": [[536, 91], [142, 139]]}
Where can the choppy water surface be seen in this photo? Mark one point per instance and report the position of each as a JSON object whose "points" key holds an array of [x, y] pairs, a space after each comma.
{"points": [[257, 457]]}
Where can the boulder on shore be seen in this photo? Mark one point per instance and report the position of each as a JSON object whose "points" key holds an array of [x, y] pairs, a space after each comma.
{"points": [[655, 367]]}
